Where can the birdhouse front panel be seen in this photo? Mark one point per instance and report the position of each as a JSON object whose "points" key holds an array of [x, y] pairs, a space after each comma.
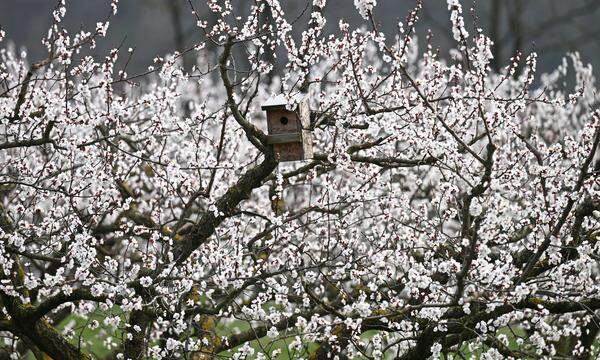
{"points": [[282, 121], [290, 151]]}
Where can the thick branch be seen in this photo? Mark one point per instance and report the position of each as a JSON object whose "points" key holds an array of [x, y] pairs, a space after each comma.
{"points": [[225, 207]]}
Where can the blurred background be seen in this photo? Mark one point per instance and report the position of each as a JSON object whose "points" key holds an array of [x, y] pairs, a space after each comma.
{"points": [[157, 27]]}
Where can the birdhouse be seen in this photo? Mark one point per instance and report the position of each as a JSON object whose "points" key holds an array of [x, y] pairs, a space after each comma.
{"points": [[289, 130]]}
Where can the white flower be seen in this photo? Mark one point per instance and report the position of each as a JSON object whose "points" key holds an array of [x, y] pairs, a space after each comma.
{"points": [[458, 23], [475, 209], [97, 289], [146, 281], [172, 344], [319, 3], [364, 7], [436, 350], [102, 28]]}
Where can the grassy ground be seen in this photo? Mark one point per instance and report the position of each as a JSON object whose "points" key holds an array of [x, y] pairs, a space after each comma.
{"points": [[97, 340]]}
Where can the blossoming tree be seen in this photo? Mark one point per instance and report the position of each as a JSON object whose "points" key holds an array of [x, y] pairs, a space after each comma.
{"points": [[448, 211]]}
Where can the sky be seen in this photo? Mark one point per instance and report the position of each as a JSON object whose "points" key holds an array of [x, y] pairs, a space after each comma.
{"points": [[552, 27]]}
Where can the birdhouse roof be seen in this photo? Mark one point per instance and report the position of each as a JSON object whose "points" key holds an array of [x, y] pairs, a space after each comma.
{"points": [[281, 101]]}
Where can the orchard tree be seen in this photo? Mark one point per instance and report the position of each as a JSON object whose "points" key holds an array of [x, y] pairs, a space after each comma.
{"points": [[449, 211]]}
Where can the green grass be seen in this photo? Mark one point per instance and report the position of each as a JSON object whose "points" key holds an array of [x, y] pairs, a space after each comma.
{"points": [[93, 341]]}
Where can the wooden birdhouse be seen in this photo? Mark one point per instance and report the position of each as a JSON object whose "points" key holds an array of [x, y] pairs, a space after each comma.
{"points": [[289, 131]]}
